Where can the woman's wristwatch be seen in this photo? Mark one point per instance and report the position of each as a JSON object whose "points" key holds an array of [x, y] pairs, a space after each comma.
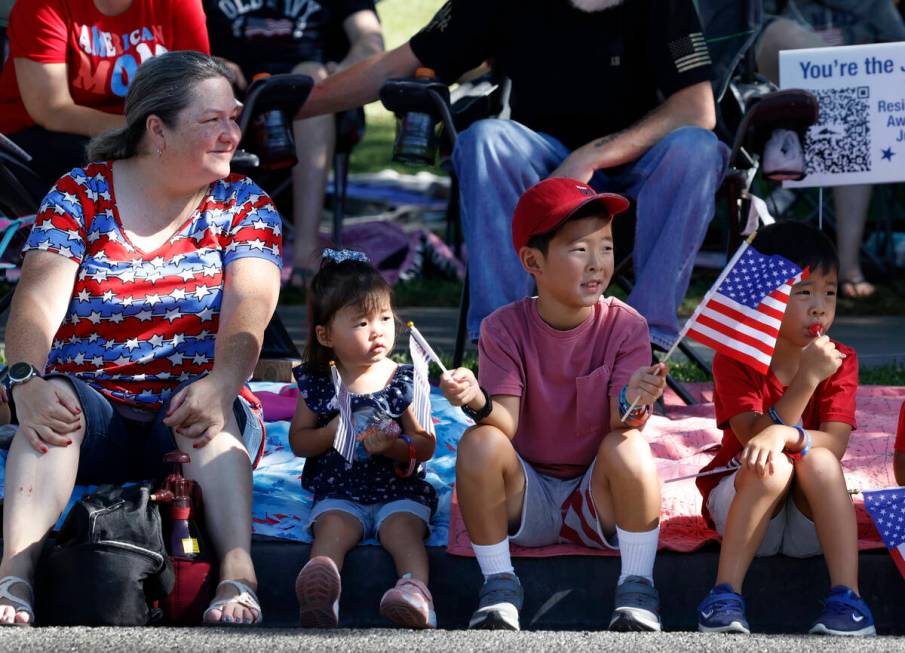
{"points": [[478, 415], [17, 374]]}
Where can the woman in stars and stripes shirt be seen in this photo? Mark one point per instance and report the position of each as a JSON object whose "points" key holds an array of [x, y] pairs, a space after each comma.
{"points": [[148, 279]]}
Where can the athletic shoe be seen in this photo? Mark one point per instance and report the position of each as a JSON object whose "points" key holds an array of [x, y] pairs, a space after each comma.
{"points": [[409, 604], [723, 611], [317, 588], [499, 602], [637, 606], [844, 613]]}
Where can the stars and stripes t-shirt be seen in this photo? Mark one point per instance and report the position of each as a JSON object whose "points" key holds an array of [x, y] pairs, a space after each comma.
{"points": [[139, 323]]}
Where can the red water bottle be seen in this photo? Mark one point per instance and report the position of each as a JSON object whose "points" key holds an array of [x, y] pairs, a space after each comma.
{"points": [[185, 538], [276, 148]]}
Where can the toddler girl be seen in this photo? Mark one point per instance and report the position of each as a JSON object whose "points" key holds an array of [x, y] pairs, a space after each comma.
{"points": [[382, 491]]}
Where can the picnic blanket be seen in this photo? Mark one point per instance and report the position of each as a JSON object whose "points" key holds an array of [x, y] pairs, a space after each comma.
{"points": [[686, 440], [683, 442]]}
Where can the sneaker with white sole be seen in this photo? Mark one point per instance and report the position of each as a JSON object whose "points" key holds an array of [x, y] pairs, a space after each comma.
{"points": [[723, 611], [318, 587], [637, 606], [846, 614], [409, 604], [499, 603]]}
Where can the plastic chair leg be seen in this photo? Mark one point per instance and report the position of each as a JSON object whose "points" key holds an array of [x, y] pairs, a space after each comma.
{"points": [[340, 187], [461, 326]]}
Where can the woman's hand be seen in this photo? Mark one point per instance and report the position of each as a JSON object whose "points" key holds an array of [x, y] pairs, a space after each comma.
{"points": [[200, 411], [46, 415], [761, 450]]}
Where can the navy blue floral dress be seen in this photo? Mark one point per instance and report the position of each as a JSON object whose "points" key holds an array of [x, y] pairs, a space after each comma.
{"points": [[369, 480]]}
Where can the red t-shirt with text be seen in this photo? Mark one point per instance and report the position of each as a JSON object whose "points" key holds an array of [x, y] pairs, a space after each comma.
{"points": [[739, 389], [102, 53]]}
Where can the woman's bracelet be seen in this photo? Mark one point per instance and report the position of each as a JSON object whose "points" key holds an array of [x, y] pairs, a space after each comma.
{"points": [[639, 412], [405, 472]]}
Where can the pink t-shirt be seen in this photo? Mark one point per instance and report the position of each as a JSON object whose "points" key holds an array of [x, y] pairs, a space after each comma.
{"points": [[564, 378]]}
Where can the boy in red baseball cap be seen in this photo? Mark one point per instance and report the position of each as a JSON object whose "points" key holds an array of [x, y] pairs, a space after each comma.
{"points": [[549, 459]]}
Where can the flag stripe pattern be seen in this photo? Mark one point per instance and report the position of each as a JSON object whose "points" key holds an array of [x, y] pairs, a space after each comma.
{"points": [[344, 440], [421, 404], [887, 509], [742, 315], [689, 52]]}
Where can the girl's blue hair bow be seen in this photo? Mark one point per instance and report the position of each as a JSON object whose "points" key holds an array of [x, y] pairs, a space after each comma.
{"points": [[340, 255]]}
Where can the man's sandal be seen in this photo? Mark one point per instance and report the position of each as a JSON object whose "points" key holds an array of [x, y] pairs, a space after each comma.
{"points": [[246, 598], [19, 604]]}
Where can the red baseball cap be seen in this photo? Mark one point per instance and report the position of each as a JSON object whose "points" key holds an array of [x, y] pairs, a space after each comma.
{"points": [[549, 203]]}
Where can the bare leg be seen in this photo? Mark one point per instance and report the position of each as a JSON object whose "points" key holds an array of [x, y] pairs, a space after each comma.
{"points": [[756, 501], [402, 534], [335, 533], [36, 491], [223, 470], [314, 142], [625, 484], [852, 203], [782, 34], [490, 484], [820, 493]]}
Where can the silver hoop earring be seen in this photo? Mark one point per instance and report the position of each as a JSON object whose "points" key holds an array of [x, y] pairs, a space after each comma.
{"points": [[159, 152]]}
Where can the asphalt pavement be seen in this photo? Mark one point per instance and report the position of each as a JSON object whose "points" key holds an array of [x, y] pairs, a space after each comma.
{"points": [[385, 640]]}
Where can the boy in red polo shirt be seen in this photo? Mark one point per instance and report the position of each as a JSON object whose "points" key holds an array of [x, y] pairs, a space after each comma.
{"points": [[549, 459], [789, 430]]}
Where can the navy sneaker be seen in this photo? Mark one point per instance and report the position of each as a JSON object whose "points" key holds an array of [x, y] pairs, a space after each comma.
{"points": [[499, 603], [844, 613], [723, 611], [637, 606]]}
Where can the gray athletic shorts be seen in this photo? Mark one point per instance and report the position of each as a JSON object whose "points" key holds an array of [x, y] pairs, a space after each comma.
{"points": [[789, 532], [560, 511]]}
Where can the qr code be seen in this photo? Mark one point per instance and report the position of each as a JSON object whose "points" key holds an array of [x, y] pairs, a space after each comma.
{"points": [[840, 141]]}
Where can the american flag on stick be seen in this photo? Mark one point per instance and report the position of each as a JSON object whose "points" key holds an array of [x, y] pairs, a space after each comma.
{"points": [[741, 314], [887, 509], [344, 440], [422, 354]]}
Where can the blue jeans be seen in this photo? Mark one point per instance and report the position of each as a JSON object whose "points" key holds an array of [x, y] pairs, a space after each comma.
{"points": [[117, 449], [673, 186]]}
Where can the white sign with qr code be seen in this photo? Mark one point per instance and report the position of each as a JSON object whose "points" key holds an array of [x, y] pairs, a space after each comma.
{"points": [[859, 137]]}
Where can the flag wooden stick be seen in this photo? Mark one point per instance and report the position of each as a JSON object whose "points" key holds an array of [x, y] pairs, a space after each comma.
{"points": [[697, 311], [421, 341], [715, 470]]}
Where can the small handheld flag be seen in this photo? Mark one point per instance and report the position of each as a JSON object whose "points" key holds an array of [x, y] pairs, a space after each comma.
{"points": [[887, 509], [741, 314], [421, 353], [344, 440], [426, 347]]}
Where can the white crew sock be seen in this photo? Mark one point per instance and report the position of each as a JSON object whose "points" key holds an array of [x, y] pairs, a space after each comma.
{"points": [[493, 558], [638, 551]]}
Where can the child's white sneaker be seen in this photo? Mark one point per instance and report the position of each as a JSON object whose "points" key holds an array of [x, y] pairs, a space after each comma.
{"points": [[409, 604], [317, 588]]}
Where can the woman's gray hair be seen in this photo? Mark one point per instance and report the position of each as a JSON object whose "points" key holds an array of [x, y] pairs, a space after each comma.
{"points": [[163, 86]]}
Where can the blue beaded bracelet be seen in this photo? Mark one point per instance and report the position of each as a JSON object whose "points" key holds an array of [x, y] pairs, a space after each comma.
{"points": [[638, 412]]}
